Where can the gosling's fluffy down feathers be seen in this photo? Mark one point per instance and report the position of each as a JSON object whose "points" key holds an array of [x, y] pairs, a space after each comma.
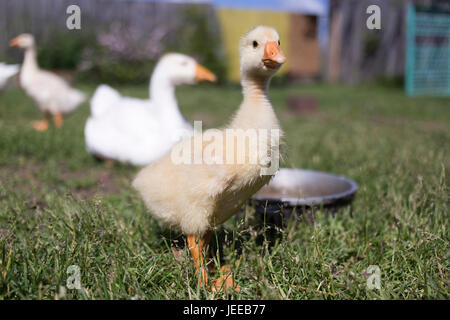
{"points": [[196, 197], [193, 198]]}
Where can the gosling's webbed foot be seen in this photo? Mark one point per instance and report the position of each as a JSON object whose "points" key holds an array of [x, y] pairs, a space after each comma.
{"points": [[223, 283]]}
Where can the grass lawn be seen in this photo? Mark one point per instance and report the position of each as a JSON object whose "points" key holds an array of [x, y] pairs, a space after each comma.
{"points": [[60, 207]]}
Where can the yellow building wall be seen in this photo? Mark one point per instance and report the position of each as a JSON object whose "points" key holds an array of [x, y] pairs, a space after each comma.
{"points": [[234, 23]]}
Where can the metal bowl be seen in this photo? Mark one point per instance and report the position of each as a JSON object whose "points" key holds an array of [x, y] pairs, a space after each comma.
{"points": [[298, 188]]}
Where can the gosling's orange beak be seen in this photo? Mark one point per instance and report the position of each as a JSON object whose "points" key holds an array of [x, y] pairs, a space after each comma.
{"points": [[14, 42], [273, 57], [203, 74]]}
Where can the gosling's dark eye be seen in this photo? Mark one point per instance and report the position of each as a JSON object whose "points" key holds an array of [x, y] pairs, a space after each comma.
{"points": [[255, 44], [279, 43]]}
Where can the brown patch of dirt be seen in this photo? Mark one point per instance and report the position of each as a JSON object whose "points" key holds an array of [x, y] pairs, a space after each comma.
{"points": [[106, 182], [388, 121], [302, 105], [23, 177], [433, 126], [84, 193], [34, 204], [22, 172], [428, 126]]}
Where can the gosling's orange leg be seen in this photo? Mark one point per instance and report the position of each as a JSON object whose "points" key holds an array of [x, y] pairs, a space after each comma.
{"points": [[197, 246], [58, 119], [41, 125], [225, 281]]}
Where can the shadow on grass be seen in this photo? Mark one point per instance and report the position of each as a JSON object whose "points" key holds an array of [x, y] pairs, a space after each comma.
{"points": [[266, 229]]}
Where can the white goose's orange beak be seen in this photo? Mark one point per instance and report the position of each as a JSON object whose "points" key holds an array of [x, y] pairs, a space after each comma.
{"points": [[273, 57], [14, 42], [203, 74]]}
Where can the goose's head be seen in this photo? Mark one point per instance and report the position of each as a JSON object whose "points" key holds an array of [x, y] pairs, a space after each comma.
{"points": [[24, 41], [181, 69], [260, 52]]}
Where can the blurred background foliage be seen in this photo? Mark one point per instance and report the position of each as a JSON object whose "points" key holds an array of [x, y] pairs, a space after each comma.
{"points": [[199, 38], [62, 51], [122, 54]]}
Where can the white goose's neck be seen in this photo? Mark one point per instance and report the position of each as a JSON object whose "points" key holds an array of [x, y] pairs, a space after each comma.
{"points": [[162, 94], [256, 110], [29, 62]]}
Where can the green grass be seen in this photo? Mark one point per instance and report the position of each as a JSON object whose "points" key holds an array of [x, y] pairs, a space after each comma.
{"points": [[60, 207]]}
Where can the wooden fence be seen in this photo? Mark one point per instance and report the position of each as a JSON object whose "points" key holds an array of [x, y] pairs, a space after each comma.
{"points": [[44, 18], [357, 53]]}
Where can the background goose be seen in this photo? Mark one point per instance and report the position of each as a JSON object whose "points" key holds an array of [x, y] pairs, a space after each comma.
{"points": [[7, 71], [51, 93], [196, 197], [139, 131]]}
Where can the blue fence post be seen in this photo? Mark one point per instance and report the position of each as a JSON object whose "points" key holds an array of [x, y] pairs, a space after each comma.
{"points": [[410, 43]]}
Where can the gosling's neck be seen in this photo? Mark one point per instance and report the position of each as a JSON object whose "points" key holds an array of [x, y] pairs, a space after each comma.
{"points": [[254, 91], [256, 110]]}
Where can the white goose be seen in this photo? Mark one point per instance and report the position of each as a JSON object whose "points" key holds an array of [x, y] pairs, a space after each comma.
{"points": [[7, 71], [139, 131], [51, 93]]}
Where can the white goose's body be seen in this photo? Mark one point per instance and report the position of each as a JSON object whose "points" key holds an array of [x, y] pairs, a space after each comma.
{"points": [[138, 131], [50, 92], [131, 130], [7, 71]]}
